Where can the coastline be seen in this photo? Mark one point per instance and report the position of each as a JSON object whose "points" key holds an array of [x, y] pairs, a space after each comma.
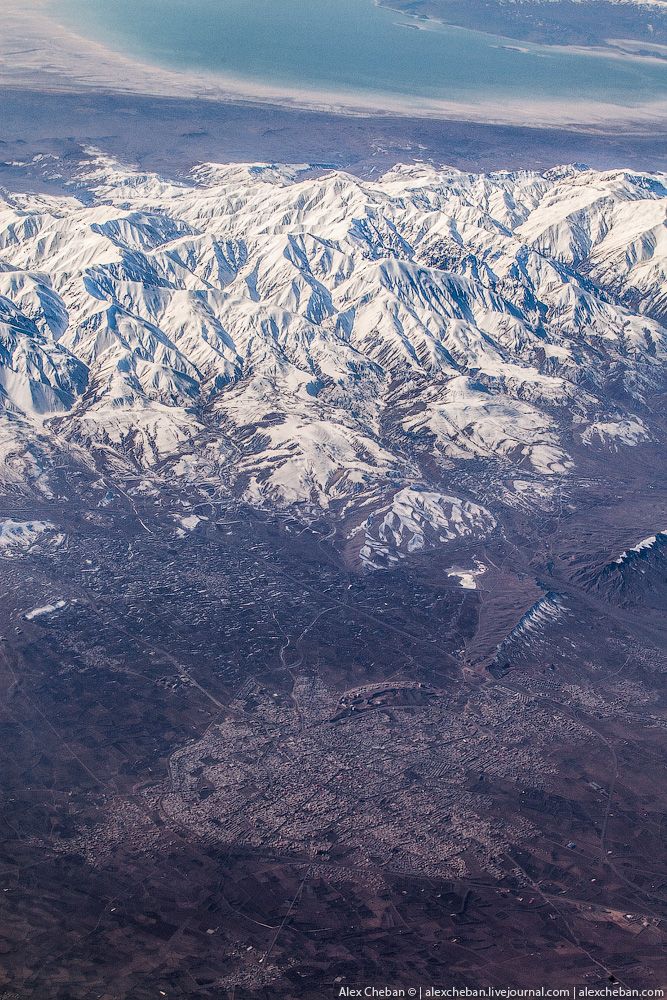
{"points": [[38, 52]]}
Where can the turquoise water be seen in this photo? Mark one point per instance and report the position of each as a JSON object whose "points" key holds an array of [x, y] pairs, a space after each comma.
{"points": [[353, 46]]}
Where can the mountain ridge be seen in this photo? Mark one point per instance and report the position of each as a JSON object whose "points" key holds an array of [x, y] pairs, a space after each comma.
{"points": [[317, 342]]}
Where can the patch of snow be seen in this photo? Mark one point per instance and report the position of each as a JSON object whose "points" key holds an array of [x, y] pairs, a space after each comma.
{"points": [[628, 431], [16, 536], [467, 577], [466, 580], [646, 543], [190, 521], [417, 519], [48, 609]]}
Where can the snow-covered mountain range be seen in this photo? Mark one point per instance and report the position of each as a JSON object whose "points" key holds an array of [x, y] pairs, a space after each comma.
{"points": [[320, 342]]}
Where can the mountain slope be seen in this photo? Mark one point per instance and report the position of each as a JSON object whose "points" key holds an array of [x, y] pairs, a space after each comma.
{"points": [[327, 343]]}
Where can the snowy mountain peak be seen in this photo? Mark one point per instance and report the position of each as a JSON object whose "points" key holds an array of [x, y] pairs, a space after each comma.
{"points": [[320, 340]]}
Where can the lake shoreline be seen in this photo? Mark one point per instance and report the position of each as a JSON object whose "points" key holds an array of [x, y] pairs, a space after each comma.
{"points": [[37, 52], [54, 105], [171, 135]]}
